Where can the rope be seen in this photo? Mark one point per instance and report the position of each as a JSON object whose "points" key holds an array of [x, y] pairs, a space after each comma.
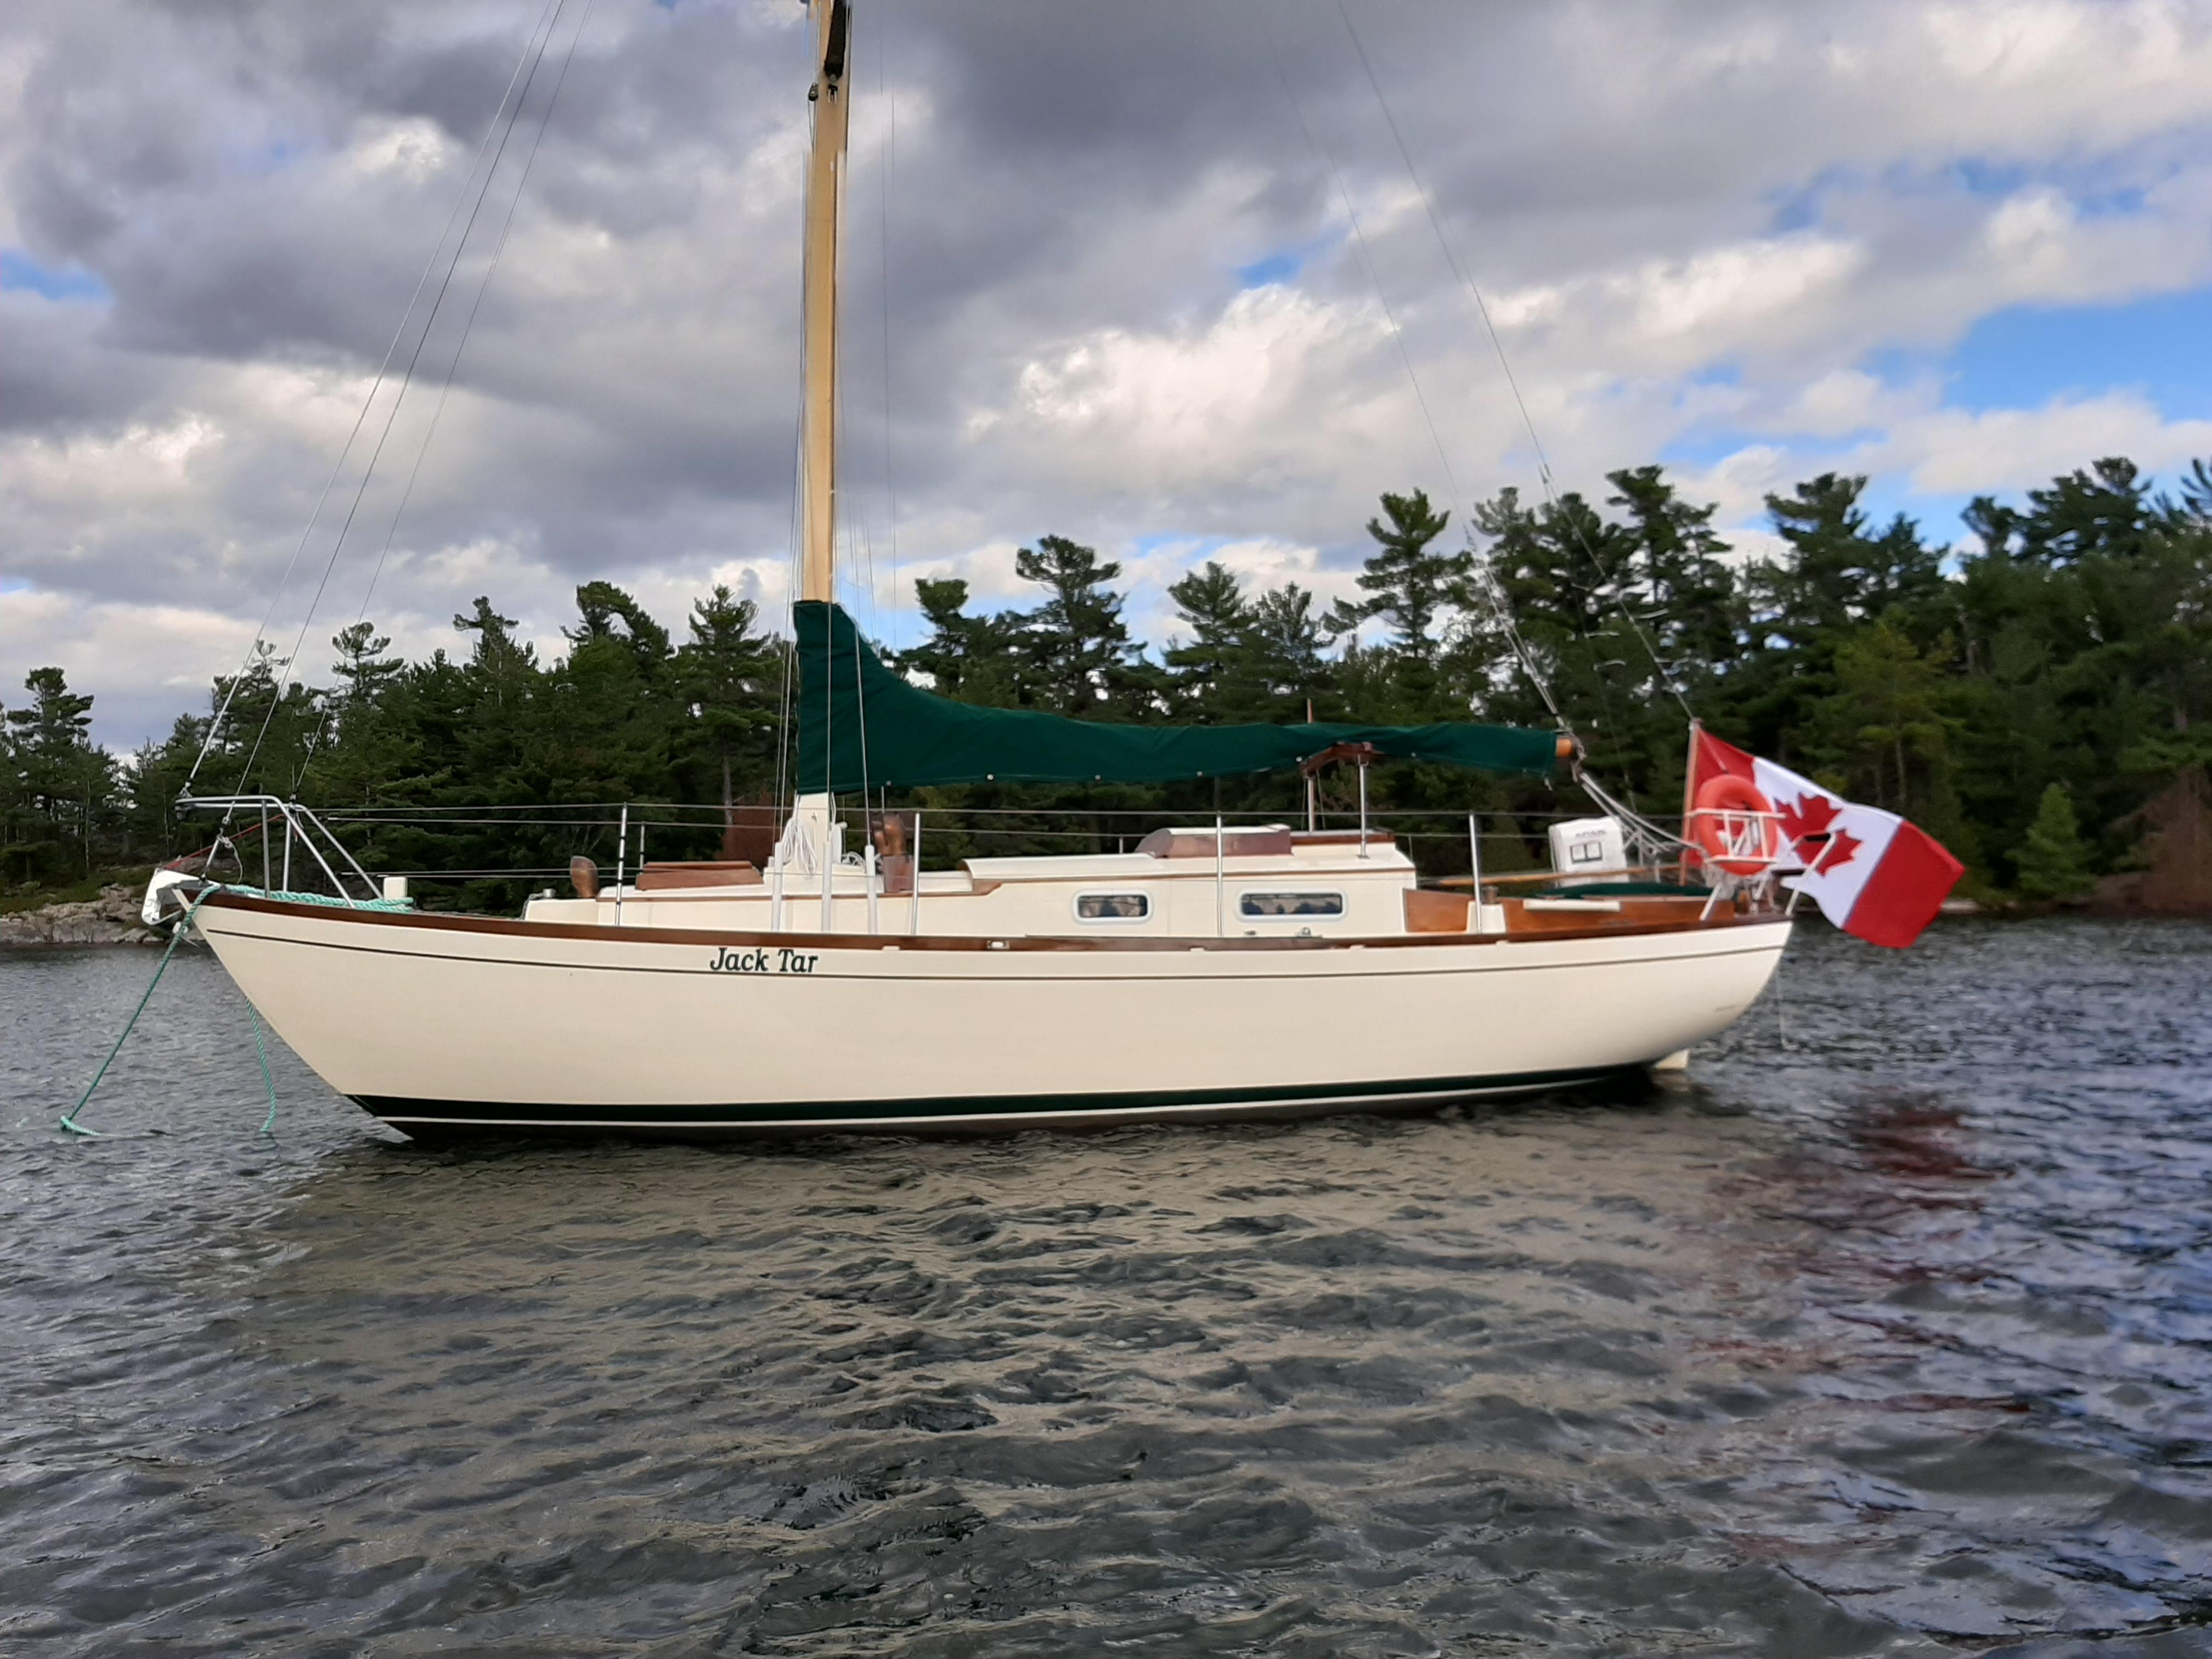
{"points": [[183, 927], [390, 907], [1781, 1004], [261, 1048]]}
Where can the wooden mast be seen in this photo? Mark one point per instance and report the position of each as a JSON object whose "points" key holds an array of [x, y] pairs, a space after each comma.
{"points": [[825, 193], [813, 840]]}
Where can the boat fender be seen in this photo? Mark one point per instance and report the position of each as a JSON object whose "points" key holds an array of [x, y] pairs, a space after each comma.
{"points": [[163, 900]]}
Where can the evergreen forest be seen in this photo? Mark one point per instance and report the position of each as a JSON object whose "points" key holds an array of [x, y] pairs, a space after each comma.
{"points": [[2039, 696]]}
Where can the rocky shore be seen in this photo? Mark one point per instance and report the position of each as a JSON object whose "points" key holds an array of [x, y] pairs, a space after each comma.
{"points": [[111, 919]]}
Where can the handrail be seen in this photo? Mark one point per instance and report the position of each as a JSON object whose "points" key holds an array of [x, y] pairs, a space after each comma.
{"points": [[1525, 878], [301, 822], [350, 881]]}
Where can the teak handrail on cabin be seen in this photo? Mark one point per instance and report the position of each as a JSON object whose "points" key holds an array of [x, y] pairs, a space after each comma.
{"points": [[1522, 877]]}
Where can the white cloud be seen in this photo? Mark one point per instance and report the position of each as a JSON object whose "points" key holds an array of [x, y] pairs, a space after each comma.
{"points": [[415, 148], [148, 663], [1185, 406], [1947, 451]]}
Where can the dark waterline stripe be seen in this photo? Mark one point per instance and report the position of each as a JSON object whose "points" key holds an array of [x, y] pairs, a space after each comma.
{"points": [[966, 1112]]}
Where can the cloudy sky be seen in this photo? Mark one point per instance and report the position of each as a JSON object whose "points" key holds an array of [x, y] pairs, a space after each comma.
{"points": [[1155, 275]]}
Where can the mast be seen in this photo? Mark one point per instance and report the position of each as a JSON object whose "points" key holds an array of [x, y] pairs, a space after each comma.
{"points": [[813, 839], [825, 201]]}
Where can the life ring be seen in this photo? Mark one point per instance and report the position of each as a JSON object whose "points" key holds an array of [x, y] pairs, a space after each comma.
{"points": [[1733, 824]]}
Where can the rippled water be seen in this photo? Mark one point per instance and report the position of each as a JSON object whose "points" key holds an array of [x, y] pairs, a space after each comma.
{"points": [[1888, 1334]]}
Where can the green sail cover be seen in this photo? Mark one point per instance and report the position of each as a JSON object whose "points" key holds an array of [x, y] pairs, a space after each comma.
{"points": [[860, 726]]}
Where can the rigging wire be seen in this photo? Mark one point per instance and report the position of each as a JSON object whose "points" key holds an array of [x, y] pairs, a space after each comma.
{"points": [[406, 380], [785, 773], [215, 725], [886, 142], [1502, 609], [468, 323], [1459, 269], [786, 758], [452, 367]]}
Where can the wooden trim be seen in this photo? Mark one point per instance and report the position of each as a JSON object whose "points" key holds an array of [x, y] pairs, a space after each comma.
{"points": [[1235, 843], [1294, 874], [1525, 878], [1431, 912], [509, 926], [1529, 919], [691, 876]]}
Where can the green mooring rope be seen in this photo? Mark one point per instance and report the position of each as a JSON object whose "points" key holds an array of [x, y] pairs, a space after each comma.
{"points": [[176, 938], [268, 1123], [261, 1048]]}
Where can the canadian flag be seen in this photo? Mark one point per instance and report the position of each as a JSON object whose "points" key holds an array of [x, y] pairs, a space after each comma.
{"points": [[1873, 874]]}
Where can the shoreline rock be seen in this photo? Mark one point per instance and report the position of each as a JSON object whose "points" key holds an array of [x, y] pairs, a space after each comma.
{"points": [[111, 919]]}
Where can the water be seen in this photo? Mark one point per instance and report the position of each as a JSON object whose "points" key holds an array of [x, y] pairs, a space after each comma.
{"points": [[1894, 1340]]}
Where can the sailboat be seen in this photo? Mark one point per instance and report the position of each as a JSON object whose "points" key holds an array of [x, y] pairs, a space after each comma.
{"points": [[1210, 972]]}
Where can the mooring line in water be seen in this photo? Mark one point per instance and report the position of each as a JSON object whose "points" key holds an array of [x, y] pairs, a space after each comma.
{"points": [[176, 938], [1781, 1006], [261, 1048]]}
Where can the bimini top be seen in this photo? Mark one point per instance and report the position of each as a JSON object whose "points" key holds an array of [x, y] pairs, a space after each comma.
{"points": [[860, 726]]}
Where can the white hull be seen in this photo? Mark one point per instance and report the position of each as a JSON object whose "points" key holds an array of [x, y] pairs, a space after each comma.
{"points": [[452, 1024]]}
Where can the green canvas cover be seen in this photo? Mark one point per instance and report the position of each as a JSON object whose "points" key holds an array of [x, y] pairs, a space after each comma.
{"points": [[860, 726]]}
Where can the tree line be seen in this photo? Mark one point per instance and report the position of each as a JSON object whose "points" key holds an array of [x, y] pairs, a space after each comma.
{"points": [[2038, 698]]}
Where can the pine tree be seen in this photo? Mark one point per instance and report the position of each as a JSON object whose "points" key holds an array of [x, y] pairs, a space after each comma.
{"points": [[1211, 671], [358, 756], [2106, 510], [1840, 571], [1283, 644], [602, 606], [1076, 643], [1886, 720], [498, 657], [2053, 864], [1407, 582], [968, 658], [63, 778], [363, 672], [723, 672], [1682, 591]]}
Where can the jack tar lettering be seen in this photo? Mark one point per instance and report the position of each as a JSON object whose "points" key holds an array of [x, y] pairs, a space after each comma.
{"points": [[762, 960]]}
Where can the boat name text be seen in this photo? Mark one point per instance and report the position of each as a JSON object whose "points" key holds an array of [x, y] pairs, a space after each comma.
{"points": [[763, 960]]}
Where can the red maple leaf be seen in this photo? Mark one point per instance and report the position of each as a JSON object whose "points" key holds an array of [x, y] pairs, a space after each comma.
{"points": [[1841, 846], [1807, 822]]}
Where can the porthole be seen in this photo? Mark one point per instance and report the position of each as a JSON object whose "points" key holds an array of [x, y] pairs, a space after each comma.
{"points": [[1275, 906], [1113, 907]]}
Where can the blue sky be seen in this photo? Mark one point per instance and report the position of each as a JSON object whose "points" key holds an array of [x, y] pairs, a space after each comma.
{"points": [[2157, 348], [21, 274], [2161, 346]]}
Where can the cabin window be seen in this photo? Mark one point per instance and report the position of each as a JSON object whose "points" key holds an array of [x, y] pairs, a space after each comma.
{"points": [[1585, 852], [1113, 907], [1270, 905]]}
